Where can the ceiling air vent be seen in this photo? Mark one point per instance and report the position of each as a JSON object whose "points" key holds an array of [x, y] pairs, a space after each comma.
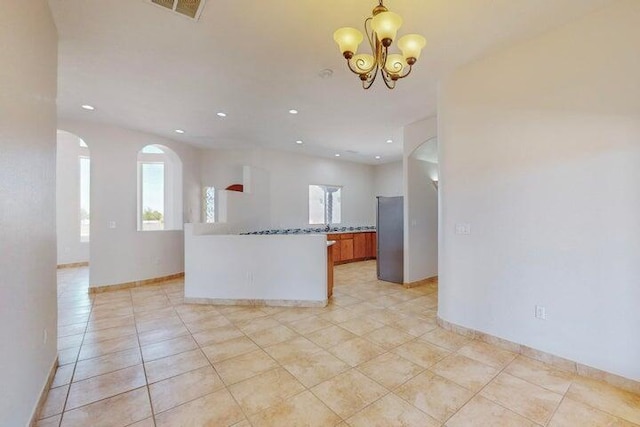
{"points": [[190, 8]]}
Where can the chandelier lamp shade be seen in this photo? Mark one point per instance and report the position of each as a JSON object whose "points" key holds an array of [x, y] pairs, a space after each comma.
{"points": [[381, 29]]}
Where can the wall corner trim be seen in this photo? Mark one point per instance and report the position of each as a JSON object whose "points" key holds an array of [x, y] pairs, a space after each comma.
{"points": [[43, 394], [541, 356]]}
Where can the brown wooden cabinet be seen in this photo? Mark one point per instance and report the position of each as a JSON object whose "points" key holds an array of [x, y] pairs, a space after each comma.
{"points": [[359, 246], [346, 249], [352, 247]]}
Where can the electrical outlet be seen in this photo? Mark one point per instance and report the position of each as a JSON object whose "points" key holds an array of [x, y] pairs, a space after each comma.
{"points": [[541, 312], [463, 228], [112, 224]]}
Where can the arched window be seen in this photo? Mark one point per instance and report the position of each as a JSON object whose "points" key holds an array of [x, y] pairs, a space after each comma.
{"points": [[159, 189]]}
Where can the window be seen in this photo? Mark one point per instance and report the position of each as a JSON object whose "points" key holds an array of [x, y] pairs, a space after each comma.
{"points": [[85, 196], [325, 204], [159, 189], [209, 204]]}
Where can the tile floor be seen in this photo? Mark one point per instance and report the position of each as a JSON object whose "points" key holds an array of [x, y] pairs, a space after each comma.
{"points": [[373, 357]]}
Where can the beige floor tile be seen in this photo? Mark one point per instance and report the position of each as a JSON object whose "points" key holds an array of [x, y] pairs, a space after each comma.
{"points": [[465, 372], [69, 341], [121, 410], [264, 390], [572, 413], [331, 336], [529, 400], [215, 409], [76, 328], [49, 422], [104, 386], [67, 356], [216, 335], [388, 337], [63, 375], [168, 348], [176, 390], [162, 313], [271, 336], [245, 366], [243, 423], [391, 411], [102, 348], [487, 354], [98, 325], [348, 392], [254, 325], [159, 323], [620, 403], [208, 321], [421, 353], [54, 403], [338, 315], [361, 325], [228, 349], [540, 373], [292, 349], [309, 325], [481, 412], [244, 314], [445, 339], [390, 370], [167, 367], [148, 422], [105, 364], [315, 368], [305, 409], [356, 351], [109, 333], [162, 334], [293, 314], [415, 326], [435, 395]]}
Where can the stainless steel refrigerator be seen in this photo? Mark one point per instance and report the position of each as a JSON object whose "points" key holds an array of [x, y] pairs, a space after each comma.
{"points": [[390, 228]]}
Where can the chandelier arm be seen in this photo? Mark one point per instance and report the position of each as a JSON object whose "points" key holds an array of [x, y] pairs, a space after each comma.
{"points": [[359, 70], [366, 84], [369, 32], [387, 80], [407, 73]]}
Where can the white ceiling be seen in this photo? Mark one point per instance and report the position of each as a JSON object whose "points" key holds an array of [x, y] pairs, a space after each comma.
{"points": [[146, 68]]}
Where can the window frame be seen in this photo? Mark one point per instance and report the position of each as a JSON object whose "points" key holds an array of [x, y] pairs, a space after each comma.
{"points": [[327, 216]]}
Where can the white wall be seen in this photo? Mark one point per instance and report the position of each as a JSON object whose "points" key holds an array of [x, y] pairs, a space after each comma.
{"points": [[289, 176], [70, 248], [388, 179], [124, 254], [420, 206], [265, 268], [540, 153], [27, 205]]}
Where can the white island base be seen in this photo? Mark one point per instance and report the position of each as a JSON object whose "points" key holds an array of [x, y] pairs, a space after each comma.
{"points": [[257, 270]]}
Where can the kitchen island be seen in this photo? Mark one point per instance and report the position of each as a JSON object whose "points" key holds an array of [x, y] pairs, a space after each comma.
{"points": [[256, 269]]}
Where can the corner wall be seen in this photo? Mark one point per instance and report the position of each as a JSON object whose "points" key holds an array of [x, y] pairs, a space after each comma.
{"points": [[540, 154], [27, 206], [420, 207], [124, 254]]}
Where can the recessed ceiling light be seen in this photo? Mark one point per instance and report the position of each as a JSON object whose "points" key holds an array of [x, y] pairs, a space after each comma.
{"points": [[389, 141], [221, 114], [377, 157], [337, 155], [88, 107], [293, 111], [179, 131], [299, 141]]}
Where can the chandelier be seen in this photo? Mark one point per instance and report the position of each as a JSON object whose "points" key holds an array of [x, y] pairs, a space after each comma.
{"points": [[381, 29]]}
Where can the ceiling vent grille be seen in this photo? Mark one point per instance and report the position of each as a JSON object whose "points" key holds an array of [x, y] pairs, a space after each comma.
{"points": [[189, 8]]}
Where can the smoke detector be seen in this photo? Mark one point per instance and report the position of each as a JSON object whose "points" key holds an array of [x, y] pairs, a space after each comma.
{"points": [[189, 8]]}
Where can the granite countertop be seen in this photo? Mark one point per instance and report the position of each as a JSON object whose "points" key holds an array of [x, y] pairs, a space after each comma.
{"points": [[316, 230]]}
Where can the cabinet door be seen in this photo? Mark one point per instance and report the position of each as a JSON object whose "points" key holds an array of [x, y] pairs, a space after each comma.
{"points": [[359, 246], [374, 245], [346, 249], [336, 250]]}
